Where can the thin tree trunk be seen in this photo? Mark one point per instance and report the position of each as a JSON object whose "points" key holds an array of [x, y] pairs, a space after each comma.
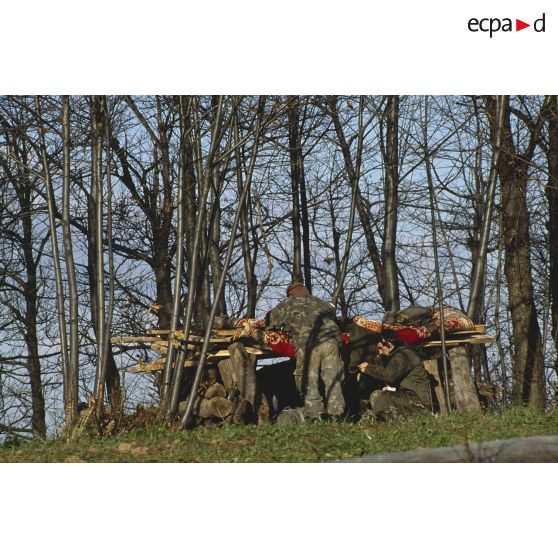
{"points": [[363, 213], [214, 236], [479, 258], [342, 270], [38, 424], [552, 197], [193, 280], [295, 161], [193, 389], [106, 372], [305, 222], [112, 379], [339, 294], [51, 203], [167, 374], [191, 206], [24, 191], [71, 399], [391, 187], [98, 119], [248, 259], [163, 218]]}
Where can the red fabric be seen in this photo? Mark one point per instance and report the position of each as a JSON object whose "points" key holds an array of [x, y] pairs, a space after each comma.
{"points": [[276, 341], [414, 334], [454, 320]]}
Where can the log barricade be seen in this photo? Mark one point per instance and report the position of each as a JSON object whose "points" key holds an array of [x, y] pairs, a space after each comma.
{"points": [[236, 364], [230, 395]]}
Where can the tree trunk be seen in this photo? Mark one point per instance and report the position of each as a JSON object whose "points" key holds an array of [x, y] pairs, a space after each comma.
{"points": [[72, 397], [38, 423], [465, 394], [163, 217], [214, 237], [552, 197], [52, 211], [363, 212], [248, 259], [106, 371], [528, 367], [295, 157], [391, 187], [24, 192]]}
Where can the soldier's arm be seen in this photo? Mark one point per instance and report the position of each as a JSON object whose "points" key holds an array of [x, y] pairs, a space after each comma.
{"points": [[393, 372], [275, 318]]}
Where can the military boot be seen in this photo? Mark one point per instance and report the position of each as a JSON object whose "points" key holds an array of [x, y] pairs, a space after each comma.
{"points": [[290, 417]]}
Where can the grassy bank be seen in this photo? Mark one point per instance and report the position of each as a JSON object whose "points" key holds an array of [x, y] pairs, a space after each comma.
{"points": [[303, 443]]}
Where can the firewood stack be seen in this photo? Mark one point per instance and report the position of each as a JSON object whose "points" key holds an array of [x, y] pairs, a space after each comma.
{"points": [[228, 392]]}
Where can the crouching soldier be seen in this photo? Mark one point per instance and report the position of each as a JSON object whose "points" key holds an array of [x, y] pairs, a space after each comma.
{"points": [[313, 331], [407, 386]]}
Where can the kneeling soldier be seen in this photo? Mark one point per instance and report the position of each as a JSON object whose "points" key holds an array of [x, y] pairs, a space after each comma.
{"points": [[407, 388]]}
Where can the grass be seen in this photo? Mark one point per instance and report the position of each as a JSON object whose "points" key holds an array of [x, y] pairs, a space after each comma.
{"points": [[302, 443]]}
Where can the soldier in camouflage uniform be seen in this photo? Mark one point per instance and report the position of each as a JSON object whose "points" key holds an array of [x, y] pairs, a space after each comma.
{"points": [[313, 331], [403, 370]]}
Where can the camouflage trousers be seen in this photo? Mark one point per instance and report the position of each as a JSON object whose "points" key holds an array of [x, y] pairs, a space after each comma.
{"points": [[321, 362], [390, 405]]}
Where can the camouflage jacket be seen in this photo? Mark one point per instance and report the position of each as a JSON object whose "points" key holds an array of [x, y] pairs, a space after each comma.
{"points": [[307, 320], [404, 370]]}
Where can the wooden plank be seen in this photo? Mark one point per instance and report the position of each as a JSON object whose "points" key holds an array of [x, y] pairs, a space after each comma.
{"points": [[224, 353], [177, 334], [195, 338], [124, 340], [156, 365], [153, 366], [225, 332], [215, 357], [162, 346], [452, 342]]}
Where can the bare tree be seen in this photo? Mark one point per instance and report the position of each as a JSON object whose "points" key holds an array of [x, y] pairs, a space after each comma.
{"points": [[513, 171], [72, 379], [16, 165], [106, 370], [551, 149], [69, 405], [391, 186]]}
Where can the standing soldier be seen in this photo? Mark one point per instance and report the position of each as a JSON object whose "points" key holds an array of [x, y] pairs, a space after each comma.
{"points": [[407, 388], [313, 331]]}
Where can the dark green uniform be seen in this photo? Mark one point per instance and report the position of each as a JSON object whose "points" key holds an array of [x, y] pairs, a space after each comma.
{"points": [[405, 372], [313, 331]]}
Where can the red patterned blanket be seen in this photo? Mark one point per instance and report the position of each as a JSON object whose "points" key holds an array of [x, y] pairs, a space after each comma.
{"points": [[454, 320], [278, 341]]}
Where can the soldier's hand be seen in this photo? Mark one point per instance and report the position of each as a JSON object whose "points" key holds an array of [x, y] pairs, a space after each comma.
{"points": [[362, 367], [385, 349]]}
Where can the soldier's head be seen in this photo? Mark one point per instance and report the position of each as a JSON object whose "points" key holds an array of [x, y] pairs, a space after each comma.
{"points": [[390, 338], [297, 289]]}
